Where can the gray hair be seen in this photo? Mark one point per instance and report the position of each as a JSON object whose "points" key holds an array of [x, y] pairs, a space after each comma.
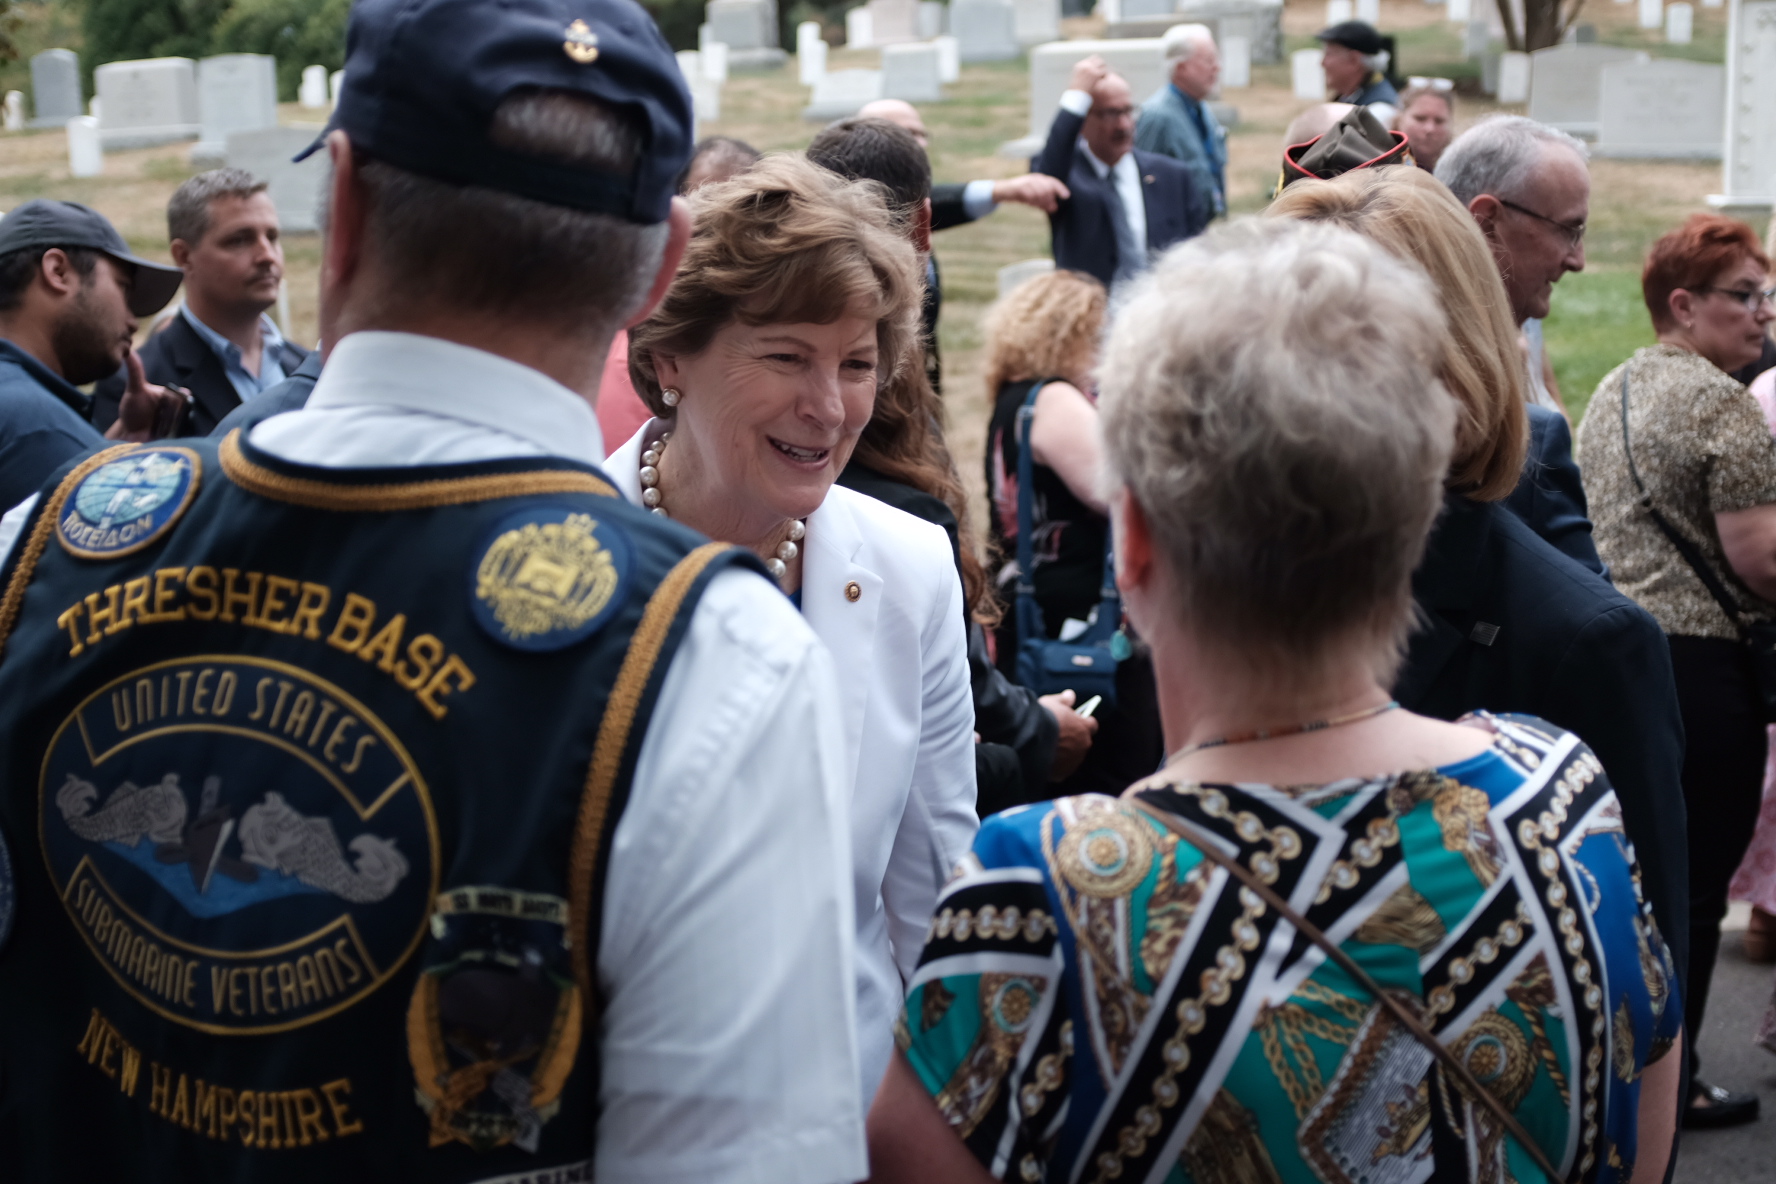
{"points": [[1180, 42], [188, 210], [1270, 401], [501, 255], [1498, 154]]}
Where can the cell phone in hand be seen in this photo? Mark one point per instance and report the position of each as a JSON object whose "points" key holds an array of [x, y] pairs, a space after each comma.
{"points": [[1090, 705]]}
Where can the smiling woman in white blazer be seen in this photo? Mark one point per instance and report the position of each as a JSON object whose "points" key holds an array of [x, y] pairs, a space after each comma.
{"points": [[797, 299]]}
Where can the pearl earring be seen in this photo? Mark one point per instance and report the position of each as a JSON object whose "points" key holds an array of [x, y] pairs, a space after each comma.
{"points": [[669, 397]]}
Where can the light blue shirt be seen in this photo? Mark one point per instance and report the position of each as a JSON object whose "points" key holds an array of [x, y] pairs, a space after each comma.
{"points": [[246, 384]]}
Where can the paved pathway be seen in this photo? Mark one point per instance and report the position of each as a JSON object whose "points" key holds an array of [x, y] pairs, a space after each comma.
{"points": [[1745, 1154]]}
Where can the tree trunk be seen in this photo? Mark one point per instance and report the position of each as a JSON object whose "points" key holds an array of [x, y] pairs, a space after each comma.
{"points": [[1545, 22]]}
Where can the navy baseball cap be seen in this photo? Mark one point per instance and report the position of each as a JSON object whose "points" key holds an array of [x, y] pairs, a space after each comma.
{"points": [[44, 223], [423, 79], [1358, 35]]}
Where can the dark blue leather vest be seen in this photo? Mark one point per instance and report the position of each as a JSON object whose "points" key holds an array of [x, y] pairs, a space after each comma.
{"points": [[309, 776]]}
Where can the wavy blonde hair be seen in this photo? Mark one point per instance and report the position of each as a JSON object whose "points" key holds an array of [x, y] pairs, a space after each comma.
{"points": [[1040, 328], [1414, 217], [785, 242]]}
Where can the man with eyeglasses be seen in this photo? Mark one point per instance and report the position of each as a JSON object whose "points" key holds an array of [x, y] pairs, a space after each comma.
{"points": [[1124, 205], [1527, 186]]}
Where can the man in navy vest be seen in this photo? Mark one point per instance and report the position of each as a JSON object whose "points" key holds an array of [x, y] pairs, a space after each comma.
{"points": [[385, 795]]}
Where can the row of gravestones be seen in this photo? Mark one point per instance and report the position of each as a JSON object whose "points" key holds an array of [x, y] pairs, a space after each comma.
{"points": [[227, 103]]}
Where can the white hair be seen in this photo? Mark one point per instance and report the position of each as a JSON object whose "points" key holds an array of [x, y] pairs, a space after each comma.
{"points": [[1498, 156], [1269, 399], [1180, 42]]}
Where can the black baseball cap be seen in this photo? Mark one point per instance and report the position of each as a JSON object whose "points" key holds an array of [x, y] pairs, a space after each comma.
{"points": [[44, 223], [1358, 35], [423, 79]]}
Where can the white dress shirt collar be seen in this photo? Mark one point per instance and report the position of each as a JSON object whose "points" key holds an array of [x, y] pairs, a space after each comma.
{"points": [[431, 376]]}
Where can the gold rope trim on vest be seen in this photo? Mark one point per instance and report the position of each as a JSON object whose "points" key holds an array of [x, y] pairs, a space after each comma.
{"points": [[613, 738], [34, 546], [407, 495]]}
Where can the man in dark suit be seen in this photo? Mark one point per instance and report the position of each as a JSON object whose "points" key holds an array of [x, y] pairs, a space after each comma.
{"points": [[1549, 496], [220, 345], [1125, 205]]}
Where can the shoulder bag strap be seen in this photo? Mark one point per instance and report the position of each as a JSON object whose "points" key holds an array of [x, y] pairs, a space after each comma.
{"points": [[1470, 1085], [1692, 555], [1026, 613]]}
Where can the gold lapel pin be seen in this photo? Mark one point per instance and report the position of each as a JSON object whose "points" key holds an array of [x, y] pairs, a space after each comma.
{"points": [[853, 591]]}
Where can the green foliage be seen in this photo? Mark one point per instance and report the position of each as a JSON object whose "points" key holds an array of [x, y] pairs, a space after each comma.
{"points": [[678, 20], [1597, 319], [298, 33], [11, 22], [119, 30]]}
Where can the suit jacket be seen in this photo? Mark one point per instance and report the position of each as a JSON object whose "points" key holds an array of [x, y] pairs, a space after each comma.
{"points": [[908, 720], [1084, 239], [177, 355], [289, 395], [947, 209], [1512, 625], [1549, 496], [1167, 128]]}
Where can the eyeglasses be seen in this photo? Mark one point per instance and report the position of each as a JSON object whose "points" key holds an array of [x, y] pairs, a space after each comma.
{"points": [[1575, 234], [1111, 112], [1751, 298], [1440, 85]]}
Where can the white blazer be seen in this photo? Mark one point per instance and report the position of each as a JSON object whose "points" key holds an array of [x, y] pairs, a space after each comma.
{"points": [[902, 662]]}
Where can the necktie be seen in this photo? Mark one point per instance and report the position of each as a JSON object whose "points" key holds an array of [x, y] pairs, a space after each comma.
{"points": [[1131, 256]]}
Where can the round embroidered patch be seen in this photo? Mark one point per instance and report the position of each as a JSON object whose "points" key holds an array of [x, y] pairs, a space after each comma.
{"points": [[123, 506], [242, 845], [549, 576]]}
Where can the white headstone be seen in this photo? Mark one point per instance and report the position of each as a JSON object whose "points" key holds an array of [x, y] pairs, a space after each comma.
{"points": [[1136, 59], [1680, 21], [1564, 82], [949, 58], [705, 92], [1652, 13], [335, 80], [1749, 169], [1369, 11], [933, 16], [810, 54], [985, 30], [1134, 10], [295, 188], [92, 106], [1037, 21], [1513, 78], [713, 58], [1711, 3], [1236, 63], [1476, 36], [704, 35], [1308, 75], [1258, 21], [1459, 11], [1019, 273], [152, 101], [1664, 109], [842, 92], [236, 92], [55, 88], [893, 21], [15, 111], [312, 93], [1339, 11], [86, 155], [912, 72], [739, 24], [857, 28]]}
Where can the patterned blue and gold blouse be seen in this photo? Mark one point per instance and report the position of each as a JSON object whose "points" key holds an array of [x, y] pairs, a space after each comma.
{"points": [[1096, 1002]]}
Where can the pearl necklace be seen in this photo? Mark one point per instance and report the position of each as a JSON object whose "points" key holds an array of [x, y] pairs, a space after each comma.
{"points": [[654, 500]]}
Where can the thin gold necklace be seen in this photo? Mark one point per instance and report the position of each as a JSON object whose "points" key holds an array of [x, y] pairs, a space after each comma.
{"points": [[1318, 725]]}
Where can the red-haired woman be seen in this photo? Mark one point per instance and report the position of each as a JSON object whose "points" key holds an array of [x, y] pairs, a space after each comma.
{"points": [[1683, 499]]}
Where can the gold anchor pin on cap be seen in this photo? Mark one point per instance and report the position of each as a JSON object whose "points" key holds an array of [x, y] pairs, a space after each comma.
{"points": [[582, 43]]}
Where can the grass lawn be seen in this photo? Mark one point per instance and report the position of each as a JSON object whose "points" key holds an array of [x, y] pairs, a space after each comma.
{"points": [[1597, 316]]}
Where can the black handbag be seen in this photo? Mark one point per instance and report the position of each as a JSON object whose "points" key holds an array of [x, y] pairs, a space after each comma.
{"points": [[1759, 636], [1087, 664]]}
